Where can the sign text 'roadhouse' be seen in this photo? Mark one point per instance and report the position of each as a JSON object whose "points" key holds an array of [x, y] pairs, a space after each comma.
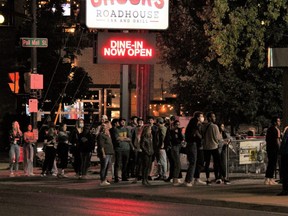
{"points": [[127, 14]]}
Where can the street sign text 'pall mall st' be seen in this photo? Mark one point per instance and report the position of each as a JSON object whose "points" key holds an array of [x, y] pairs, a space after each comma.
{"points": [[35, 42]]}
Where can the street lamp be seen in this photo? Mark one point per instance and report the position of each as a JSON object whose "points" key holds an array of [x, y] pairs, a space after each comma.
{"points": [[2, 19]]}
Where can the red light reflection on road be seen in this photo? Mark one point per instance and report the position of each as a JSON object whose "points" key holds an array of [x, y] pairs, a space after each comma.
{"points": [[118, 207]]}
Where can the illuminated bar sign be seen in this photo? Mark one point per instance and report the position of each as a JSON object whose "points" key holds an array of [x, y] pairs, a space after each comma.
{"points": [[126, 48], [127, 14]]}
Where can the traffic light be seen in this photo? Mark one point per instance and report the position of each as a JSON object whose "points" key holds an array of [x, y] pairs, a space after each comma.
{"points": [[14, 86]]}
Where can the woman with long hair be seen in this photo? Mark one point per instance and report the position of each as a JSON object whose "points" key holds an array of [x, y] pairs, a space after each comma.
{"points": [[15, 139], [28, 151]]}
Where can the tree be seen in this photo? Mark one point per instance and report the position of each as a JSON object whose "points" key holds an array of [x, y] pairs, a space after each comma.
{"points": [[217, 50]]}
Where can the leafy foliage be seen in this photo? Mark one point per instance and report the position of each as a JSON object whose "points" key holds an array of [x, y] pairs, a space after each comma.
{"points": [[217, 50]]}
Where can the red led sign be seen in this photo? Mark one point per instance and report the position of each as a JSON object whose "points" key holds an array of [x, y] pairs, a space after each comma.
{"points": [[126, 48]]}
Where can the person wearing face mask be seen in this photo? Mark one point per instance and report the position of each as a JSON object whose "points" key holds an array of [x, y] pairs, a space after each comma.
{"points": [[176, 138], [193, 138], [75, 137]]}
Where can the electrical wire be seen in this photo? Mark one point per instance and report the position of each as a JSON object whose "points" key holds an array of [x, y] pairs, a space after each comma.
{"points": [[61, 96]]}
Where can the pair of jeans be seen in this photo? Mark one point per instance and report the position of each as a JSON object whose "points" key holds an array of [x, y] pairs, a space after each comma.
{"points": [[162, 163], [14, 154], [121, 160], [272, 154], [284, 168], [85, 162], [28, 155], [138, 164], [62, 150], [105, 162], [199, 163], [50, 154], [218, 171], [146, 165], [175, 153], [191, 150]]}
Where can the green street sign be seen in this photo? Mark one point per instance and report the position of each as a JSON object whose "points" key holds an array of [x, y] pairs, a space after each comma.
{"points": [[35, 42]]}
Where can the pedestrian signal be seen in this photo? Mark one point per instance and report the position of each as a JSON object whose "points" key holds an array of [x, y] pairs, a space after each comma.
{"points": [[14, 86]]}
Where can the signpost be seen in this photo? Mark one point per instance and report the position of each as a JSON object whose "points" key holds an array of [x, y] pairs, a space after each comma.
{"points": [[35, 42]]}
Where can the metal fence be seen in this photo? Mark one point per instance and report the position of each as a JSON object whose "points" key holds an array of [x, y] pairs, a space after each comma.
{"points": [[243, 156]]}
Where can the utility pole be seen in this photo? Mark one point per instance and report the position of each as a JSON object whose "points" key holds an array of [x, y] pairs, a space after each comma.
{"points": [[33, 93]]}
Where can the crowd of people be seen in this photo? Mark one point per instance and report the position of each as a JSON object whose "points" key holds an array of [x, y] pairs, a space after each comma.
{"points": [[135, 147]]}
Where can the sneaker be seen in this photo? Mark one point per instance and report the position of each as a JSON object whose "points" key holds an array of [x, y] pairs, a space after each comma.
{"points": [[159, 178], [188, 184], [104, 183], [199, 181], [176, 184], [227, 182], [218, 181], [208, 183], [168, 179], [43, 174], [11, 174]]}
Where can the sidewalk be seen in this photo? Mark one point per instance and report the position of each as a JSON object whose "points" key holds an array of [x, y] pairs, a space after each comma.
{"points": [[246, 191]]}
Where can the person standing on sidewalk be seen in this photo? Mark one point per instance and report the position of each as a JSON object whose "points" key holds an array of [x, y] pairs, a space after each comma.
{"points": [[62, 150], [146, 144], [154, 129], [284, 163], [193, 138], [105, 151], [122, 150], [74, 149], [273, 140], [223, 151], [15, 139], [50, 146], [211, 138], [28, 151], [176, 140], [136, 136], [162, 157], [86, 142]]}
